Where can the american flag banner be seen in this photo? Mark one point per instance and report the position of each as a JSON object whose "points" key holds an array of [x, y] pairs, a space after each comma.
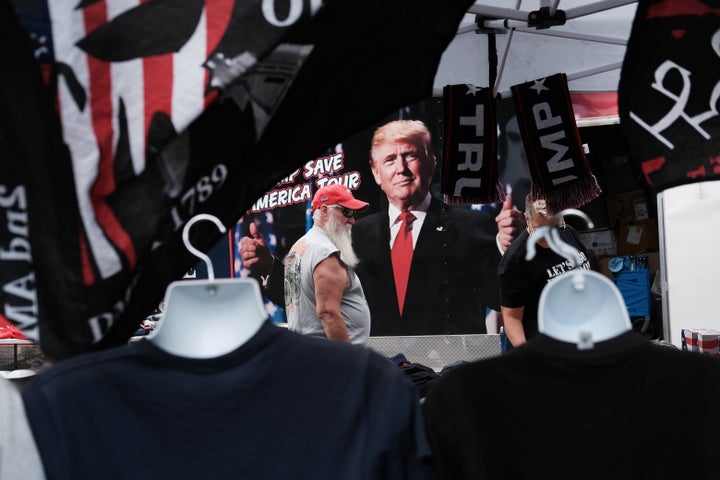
{"points": [[669, 91], [155, 111]]}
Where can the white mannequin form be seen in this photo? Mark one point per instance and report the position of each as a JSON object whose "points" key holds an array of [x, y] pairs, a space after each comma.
{"points": [[580, 306], [208, 318]]}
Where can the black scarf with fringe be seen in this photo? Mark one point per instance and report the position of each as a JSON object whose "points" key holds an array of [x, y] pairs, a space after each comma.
{"points": [[470, 165], [559, 170]]}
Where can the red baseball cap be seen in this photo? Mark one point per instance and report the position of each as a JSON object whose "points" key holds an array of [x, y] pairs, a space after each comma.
{"points": [[337, 195]]}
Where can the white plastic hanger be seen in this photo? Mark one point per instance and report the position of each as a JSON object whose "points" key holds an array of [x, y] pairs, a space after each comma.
{"points": [[208, 318], [580, 306]]}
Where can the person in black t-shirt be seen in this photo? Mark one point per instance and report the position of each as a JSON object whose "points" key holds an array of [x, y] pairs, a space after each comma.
{"points": [[522, 281]]}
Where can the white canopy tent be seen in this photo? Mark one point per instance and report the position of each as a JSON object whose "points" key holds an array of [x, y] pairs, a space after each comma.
{"points": [[497, 41], [589, 47]]}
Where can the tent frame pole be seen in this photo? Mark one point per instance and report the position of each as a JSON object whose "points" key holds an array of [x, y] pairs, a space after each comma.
{"points": [[501, 13], [573, 35]]}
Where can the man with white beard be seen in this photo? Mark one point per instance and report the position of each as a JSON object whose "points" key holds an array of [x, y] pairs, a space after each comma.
{"points": [[323, 295]]}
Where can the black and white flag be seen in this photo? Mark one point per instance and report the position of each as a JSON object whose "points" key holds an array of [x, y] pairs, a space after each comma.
{"points": [[669, 93]]}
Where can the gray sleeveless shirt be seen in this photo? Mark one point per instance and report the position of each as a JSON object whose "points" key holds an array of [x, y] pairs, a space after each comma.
{"points": [[300, 304]]}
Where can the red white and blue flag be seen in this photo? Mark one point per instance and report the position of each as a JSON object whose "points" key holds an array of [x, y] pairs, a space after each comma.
{"points": [[154, 111]]}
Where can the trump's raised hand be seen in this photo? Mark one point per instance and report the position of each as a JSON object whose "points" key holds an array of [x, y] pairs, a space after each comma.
{"points": [[254, 252], [510, 223]]}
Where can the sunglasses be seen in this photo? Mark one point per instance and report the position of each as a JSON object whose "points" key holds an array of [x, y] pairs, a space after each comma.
{"points": [[347, 212]]}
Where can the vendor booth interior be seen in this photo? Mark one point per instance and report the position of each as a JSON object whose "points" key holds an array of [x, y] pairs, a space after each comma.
{"points": [[141, 141]]}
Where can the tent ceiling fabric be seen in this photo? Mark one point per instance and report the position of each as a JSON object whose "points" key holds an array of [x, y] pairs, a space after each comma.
{"points": [[540, 53]]}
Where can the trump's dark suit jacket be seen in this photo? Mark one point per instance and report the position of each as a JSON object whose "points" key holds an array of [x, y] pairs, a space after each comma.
{"points": [[453, 276]]}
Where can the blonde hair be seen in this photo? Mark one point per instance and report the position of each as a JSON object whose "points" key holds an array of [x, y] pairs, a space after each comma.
{"points": [[403, 130], [537, 207]]}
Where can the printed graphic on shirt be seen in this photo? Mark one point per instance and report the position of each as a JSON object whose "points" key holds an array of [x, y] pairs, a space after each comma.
{"points": [[293, 279], [560, 268]]}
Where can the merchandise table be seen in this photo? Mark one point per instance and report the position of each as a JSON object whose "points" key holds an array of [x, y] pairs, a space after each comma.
{"points": [[16, 354], [438, 351]]}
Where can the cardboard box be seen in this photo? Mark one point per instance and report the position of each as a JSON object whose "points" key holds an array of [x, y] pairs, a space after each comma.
{"points": [[653, 262], [703, 340], [688, 339], [599, 243], [635, 238], [600, 265], [627, 208]]}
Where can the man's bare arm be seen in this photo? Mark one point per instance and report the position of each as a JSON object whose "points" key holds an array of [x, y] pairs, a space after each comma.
{"points": [[512, 322], [331, 280]]}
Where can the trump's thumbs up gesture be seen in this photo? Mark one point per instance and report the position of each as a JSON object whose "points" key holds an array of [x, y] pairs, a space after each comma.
{"points": [[510, 223]]}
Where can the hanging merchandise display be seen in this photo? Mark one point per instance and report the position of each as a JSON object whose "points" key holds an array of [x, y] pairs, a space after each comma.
{"points": [[610, 395], [470, 163], [559, 169]]}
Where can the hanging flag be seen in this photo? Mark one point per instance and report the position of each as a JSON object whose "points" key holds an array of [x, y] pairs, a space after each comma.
{"points": [[168, 109], [470, 165], [669, 91], [559, 170], [29, 131]]}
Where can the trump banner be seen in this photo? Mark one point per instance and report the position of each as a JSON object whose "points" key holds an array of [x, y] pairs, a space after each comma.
{"points": [[124, 119]]}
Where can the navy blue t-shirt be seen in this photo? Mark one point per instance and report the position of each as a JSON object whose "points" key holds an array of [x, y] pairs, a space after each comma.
{"points": [[281, 406]]}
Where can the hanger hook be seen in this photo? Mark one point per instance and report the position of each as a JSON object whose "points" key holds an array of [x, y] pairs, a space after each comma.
{"points": [[572, 211], [195, 251], [555, 242]]}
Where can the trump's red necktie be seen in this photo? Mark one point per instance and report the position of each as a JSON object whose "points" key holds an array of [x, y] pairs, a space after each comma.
{"points": [[402, 253]]}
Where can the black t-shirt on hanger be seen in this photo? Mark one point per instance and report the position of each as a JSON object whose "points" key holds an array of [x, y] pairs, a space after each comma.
{"points": [[522, 281]]}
